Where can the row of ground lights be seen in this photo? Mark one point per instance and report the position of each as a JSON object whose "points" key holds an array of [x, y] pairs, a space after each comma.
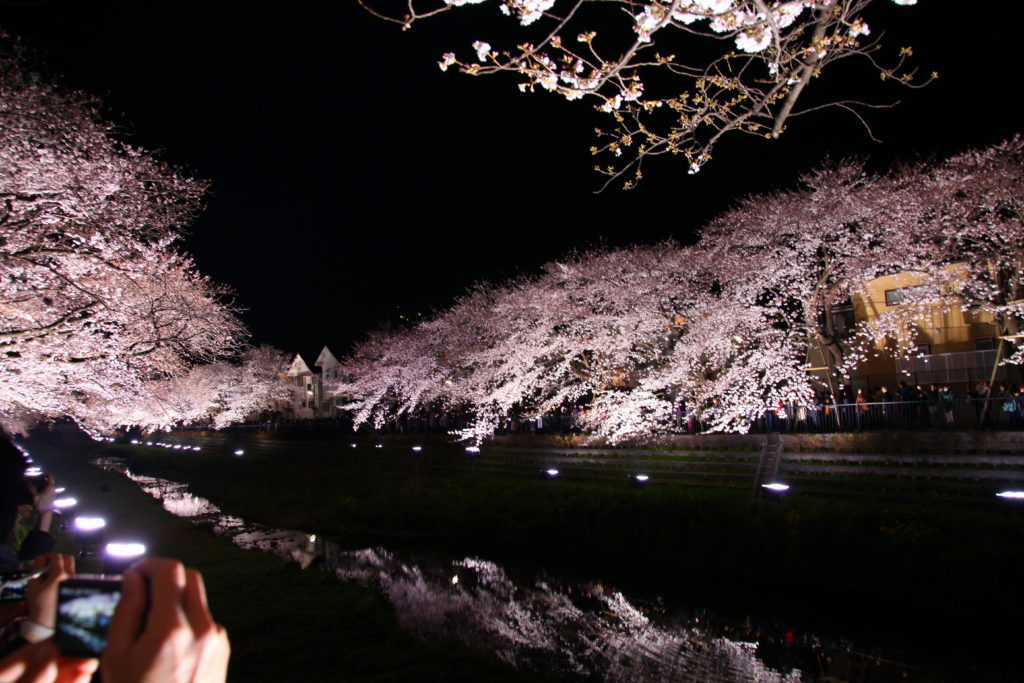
{"points": [[417, 448], [775, 486], [175, 446], [118, 555]]}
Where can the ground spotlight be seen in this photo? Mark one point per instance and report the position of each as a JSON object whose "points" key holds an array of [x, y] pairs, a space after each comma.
{"points": [[89, 531], [472, 449], [642, 478], [417, 448], [118, 556], [196, 449], [779, 487], [1011, 494], [551, 472], [239, 452]]}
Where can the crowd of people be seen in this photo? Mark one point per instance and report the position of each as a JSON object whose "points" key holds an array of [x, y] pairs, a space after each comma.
{"points": [[161, 631], [932, 406]]}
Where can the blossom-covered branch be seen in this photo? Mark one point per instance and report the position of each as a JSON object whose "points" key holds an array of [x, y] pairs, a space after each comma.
{"points": [[674, 76]]}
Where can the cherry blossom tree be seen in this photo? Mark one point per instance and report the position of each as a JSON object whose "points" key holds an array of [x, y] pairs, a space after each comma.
{"points": [[724, 327], [800, 253], [630, 333], [96, 301], [974, 229], [674, 76], [218, 394]]}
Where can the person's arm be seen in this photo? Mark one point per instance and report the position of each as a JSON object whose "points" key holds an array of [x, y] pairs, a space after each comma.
{"points": [[163, 632], [41, 593], [44, 501], [42, 663], [38, 541]]}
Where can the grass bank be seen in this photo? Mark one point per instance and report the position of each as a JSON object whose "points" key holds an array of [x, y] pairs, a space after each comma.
{"points": [[956, 558], [285, 624]]}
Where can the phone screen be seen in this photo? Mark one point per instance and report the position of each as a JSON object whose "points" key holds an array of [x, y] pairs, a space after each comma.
{"points": [[85, 607]]}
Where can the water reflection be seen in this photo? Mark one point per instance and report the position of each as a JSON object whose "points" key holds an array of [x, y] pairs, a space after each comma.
{"points": [[541, 623]]}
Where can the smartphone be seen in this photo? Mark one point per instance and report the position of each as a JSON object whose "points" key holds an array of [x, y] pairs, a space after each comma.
{"points": [[14, 578], [85, 607]]}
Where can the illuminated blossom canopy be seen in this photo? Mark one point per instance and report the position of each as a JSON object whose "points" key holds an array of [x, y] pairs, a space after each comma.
{"points": [[96, 300], [723, 328], [628, 333], [216, 394], [674, 76]]}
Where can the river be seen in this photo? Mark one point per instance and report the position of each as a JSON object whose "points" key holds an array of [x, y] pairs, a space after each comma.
{"points": [[537, 621]]}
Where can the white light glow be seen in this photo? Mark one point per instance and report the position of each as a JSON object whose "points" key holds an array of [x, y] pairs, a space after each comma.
{"points": [[455, 579], [378, 446], [65, 503], [552, 472], [135, 442], [59, 489], [417, 448], [1011, 494], [472, 449], [125, 549], [775, 486], [196, 449], [351, 445], [642, 477], [149, 443], [177, 446], [239, 452], [90, 523]]}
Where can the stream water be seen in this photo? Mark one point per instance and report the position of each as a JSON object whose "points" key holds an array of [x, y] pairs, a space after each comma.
{"points": [[536, 621]]}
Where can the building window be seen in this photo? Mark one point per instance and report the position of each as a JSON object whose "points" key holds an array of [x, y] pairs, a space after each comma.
{"points": [[985, 344], [843, 320], [895, 297]]}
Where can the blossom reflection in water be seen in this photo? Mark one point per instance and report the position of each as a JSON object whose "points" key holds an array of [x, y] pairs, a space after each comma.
{"points": [[534, 624]]}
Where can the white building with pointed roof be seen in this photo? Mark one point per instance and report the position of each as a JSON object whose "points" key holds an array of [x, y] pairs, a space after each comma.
{"points": [[330, 371], [305, 403]]}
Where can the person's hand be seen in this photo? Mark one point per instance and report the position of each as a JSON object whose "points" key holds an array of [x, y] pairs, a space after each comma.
{"points": [[164, 632], [41, 593], [42, 663], [45, 497]]}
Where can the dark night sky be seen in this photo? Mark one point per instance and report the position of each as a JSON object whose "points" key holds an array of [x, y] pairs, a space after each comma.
{"points": [[351, 175]]}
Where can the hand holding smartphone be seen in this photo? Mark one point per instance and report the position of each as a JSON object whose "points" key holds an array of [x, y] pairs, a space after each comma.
{"points": [[152, 625], [85, 610]]}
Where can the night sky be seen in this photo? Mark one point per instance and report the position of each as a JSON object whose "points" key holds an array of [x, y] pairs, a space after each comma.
{"points": [[350, 175]]}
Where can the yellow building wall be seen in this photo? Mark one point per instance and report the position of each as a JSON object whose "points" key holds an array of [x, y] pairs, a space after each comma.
{"points": [[945, 327]]}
